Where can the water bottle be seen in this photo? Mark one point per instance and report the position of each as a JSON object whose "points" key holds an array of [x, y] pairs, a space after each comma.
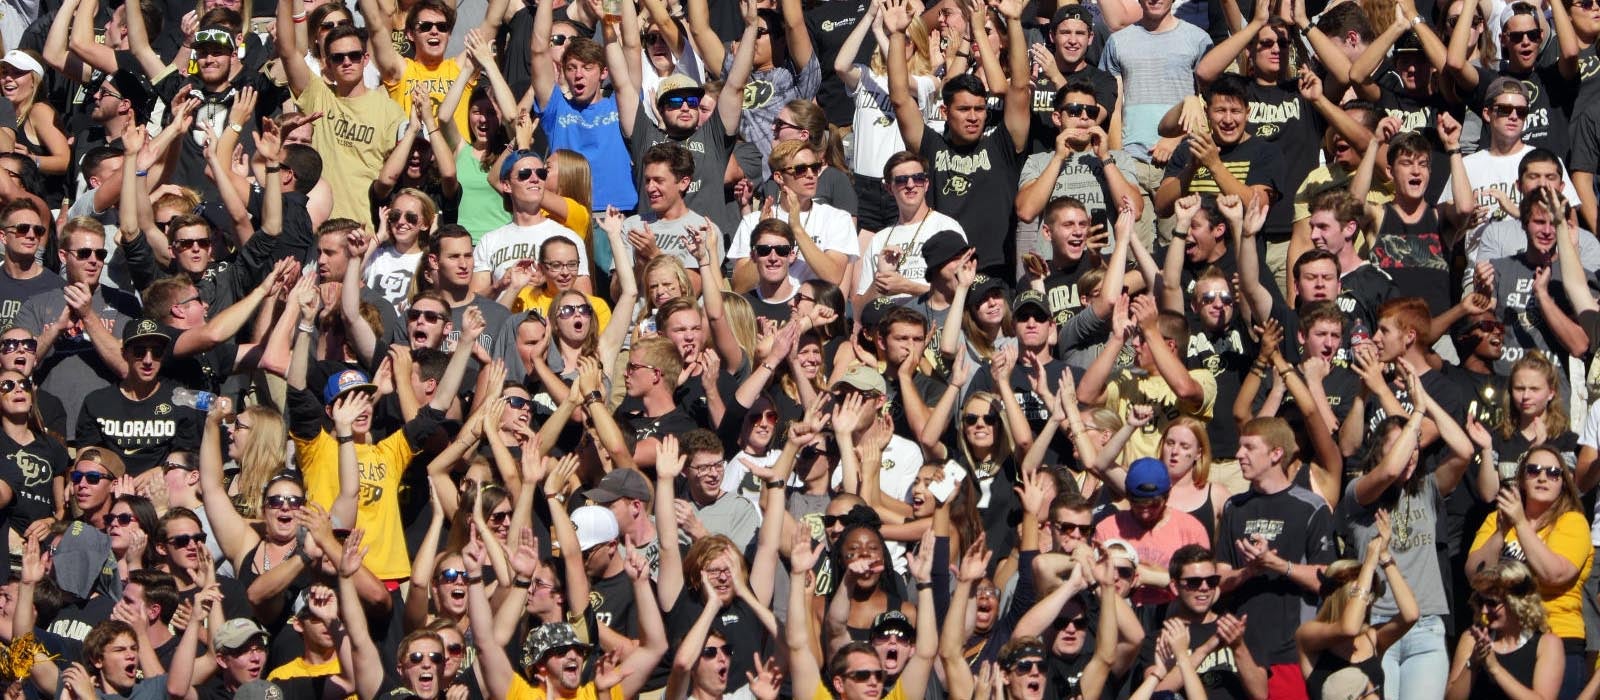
{"points": [[189, 398]]}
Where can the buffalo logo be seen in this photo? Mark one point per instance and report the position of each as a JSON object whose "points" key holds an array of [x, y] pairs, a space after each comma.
{"points": [[757, 93], [35, 470], [1533, 91], [1267, 131], [163, 409], [370, 494], [956, 186]]}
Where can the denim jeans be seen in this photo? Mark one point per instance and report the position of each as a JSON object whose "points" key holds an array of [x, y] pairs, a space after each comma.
{"points": [[1417, 666]]}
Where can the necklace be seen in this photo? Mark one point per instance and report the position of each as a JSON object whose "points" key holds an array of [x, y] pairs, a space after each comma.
{"points": [[901, 259]]}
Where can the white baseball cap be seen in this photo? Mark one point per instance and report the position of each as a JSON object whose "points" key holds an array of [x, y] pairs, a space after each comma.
{"points": [[596, 525], [20, 59]]}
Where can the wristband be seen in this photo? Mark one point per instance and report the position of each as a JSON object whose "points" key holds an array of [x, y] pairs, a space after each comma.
{"points": [[298, 17], [342, 439], [522, 583], [306, 328], [774, 484], [141, 173], [924, 585], [473, 579], [273, 168]]}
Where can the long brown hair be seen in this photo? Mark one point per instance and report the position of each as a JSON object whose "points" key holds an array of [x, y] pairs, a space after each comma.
{"points": [[1567, 502]]}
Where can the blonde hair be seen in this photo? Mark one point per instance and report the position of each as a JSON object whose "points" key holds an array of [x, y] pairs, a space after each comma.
{"points": [[742, 318], [918, 54], [1512, 580], [1201, 474], [261, 457], [1555, 412], [703, 552], [1345, 574], [674, 266], [574, 181]]}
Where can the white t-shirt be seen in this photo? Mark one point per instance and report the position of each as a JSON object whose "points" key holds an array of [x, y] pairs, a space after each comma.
{"points": [[830, 227], [739, 466], [1487, 172], [498, 249], [909, 239], [390, 272], [877, 134]]}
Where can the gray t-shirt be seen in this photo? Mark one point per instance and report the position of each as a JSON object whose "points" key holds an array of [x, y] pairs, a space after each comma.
{"points": [[1157, 71], [1415, 519], [1080, 178], [710, 145], [73, 369], [1505, 237], [672, 235]]}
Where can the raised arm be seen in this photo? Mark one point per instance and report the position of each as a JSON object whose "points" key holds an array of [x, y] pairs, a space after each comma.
{"points": [[730, 102], [801, 50], [908, 115], [232, 532], [139, 44], [1221, 56], [289, 46], [391, 65], [669, 575]]}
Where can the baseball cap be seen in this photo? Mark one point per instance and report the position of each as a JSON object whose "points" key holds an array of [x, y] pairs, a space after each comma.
{"points": [[1077, 12], [214, 34], [942, 247], [596, 525], [620, 483], [863, 378], [1030, 298], [18, 58], [134, 88], [677, 82], [103, 457], [893, 619], [510, 163], [875, 311], [1408, 43], [348, 380], [238, 633], [1147, 478], [143, 329], [982, 285]]}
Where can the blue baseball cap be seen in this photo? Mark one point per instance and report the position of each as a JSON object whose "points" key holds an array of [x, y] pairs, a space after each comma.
{"points": [[1147, 478], [510, 162], [346, 381]]}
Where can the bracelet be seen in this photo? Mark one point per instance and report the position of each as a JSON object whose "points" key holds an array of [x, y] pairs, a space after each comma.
{"points": [[1287, 567], [769, 367], [1386, 562], [141, 173], [522, 582], [1453, 151], [473, 579], [1286, 371], [343, 439], [924, 585], [774, 484], [306, 328], [298, 17], [273, 168]]}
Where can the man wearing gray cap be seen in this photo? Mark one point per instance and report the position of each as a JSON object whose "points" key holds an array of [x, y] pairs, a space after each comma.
{"points": [[626, 493]]}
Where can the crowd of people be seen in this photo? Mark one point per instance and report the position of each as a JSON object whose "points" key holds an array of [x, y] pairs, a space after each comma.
{"points": [[760, 349]]}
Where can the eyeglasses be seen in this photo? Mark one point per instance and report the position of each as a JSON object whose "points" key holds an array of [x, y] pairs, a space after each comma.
{"points": [[634, 366], [681, 101], [524, 174], [9, 385], [890, 635], [991, 418], [903, 180], [1534, 471], [713, 652], [804, 169], [86, 253], [108, 92], [568, 266], [559, 39], [10, 345], [426, 315], [27, 230], [862, 675], [570, 310], [1027, 666], [122, 519], [1078, 109], [1212, 296], [1507, 110], [450, 576], [1127, 571], [707, 467], [779, 125], [1532, 35], [416, 657], [518, 402], [285, 502], [330, 26], [181, 541], [455, 649], [395, 215], [340, 59], [187, 243], [499, 517], [1080, 622], [94, 478], [1197, 583], [1065, 527], [988, 592], [783, 250]]}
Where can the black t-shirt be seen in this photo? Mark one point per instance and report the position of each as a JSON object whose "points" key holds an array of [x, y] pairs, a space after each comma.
{"points": [[28, 470], [777, 311], [1042, 133], [1253, 162], [1278, 114], [204, 370], [1299, 526], [141, 432], [829, 24], [613, 604], [1549, 107], [1227, 356], [977, 186], [737, 623], [189, 169]]}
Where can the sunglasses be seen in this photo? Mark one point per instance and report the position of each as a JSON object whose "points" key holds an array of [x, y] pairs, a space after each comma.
{"points": [[14, 344], [27, 229], [425, 27], [213, 36], [1585, 4], [782, 250], [143, 350], [1127, 571], [285, 502], [340, 59], [1026, 666], [570, 310], [330, 26], [1536, 470], [1065, 527], [524, 174], [903, 180], [713, 652], [762, 31], [1030, 314], [8, 385], [410, 217], [634, 367], [162, 225], [455, 649], [1533, 35], [122, 519], [86, 253], [187, 243], [1487, 602], [862, 675], [1078, 109], [650, 37], [518, 402], [1080, 622], [416, 657], [1477, 22], [767, 416], [498, 517], [1505, 110], [888, 635], [804, 169], [559, 39], [681, 101], [450, 576], [181, 541], [991, 418], [831, 520], [779, 125], [94, 478], [1209, 297], [1196, 583], [426, 315], [1264, 44]]}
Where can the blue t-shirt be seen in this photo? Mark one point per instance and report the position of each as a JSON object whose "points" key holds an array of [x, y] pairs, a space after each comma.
{"points": [[595, 132]]}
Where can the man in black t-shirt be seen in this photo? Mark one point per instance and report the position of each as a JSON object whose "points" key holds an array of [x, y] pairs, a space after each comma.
{"points": [[1550, 89], [1228, 160], [138, 417], [1216, 642]]}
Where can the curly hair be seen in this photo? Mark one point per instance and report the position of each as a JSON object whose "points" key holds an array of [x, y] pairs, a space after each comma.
{"points": [[1513, 581]]}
